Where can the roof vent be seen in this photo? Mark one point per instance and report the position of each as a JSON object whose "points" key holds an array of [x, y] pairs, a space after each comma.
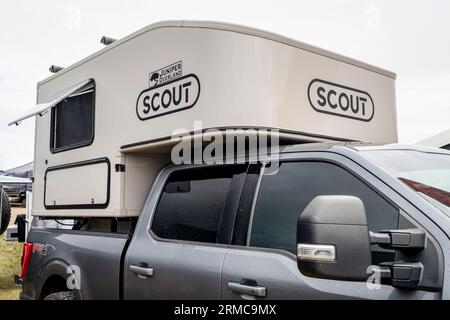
{"points": [[107, 41]]}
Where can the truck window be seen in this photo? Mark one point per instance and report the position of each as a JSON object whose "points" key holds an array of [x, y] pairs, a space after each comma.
{"points": [[192, 203], [72, 121], [282, 197]]}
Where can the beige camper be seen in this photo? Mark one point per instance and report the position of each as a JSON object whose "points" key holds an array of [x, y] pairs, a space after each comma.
{"points": [[105, 125]]}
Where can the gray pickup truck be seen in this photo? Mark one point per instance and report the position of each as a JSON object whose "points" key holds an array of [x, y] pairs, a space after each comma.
{"points": [[314, 221]]}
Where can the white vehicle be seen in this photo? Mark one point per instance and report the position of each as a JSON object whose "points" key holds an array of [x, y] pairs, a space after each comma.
{"points": [[440, 140]]}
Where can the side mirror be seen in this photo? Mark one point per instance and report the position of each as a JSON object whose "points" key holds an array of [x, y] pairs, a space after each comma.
{"points": [[333, 239]]}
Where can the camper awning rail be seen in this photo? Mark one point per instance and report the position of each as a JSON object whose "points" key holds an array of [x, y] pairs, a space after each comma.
{"points": [[44, 107], [10, 179]]}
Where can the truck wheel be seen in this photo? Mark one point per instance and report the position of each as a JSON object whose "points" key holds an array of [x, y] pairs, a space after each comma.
{"points": [[6, 212], [63, 295]]}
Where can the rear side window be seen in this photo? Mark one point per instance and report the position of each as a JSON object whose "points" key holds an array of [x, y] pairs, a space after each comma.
{"points": [[72, 123], [284, 196], [192, 204]]}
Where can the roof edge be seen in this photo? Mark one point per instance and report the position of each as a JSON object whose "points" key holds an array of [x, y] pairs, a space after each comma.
{"points": [[440, 139], [225, 27]]}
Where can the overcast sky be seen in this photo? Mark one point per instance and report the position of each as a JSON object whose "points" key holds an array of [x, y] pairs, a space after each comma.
{"points": [[410, 38]]}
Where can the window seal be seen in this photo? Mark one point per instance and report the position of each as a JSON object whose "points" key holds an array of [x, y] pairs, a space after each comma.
{"points": [[245, 204], [231, 207], [254, 201]]}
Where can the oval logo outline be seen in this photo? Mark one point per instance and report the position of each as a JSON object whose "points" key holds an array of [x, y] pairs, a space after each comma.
{"points": [[339, 114], [168, 83]]}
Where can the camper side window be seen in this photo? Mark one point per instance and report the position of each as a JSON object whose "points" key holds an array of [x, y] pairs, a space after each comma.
{"points": [[72, 121]]}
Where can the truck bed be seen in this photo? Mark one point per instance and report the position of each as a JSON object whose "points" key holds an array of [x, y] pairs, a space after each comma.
{"points": [[59, 252]]}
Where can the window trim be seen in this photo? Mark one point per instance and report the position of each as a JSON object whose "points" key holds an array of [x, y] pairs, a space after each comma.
{"points": [[53, 149], [312, 159], [172, 170], [254, 201], [245, 205]]}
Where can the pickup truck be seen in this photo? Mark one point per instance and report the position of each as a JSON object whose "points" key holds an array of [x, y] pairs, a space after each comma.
{"points": [[313, 221]]}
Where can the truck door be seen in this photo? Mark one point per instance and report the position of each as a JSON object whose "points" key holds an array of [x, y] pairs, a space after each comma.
{"points": [[262, 263], [182, 235]]}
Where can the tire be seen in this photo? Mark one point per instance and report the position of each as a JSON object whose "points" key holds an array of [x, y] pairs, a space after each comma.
{"points": [[6, 212], [62, 295]]}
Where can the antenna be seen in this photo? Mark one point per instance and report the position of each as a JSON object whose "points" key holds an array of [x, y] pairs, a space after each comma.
{"points": [[55, 69], [107, 41]]}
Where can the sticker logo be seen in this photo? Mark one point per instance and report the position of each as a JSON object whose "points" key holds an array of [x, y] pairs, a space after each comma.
{"points": [[42, 249], [339, 100], [175, 70], [169, 92]]}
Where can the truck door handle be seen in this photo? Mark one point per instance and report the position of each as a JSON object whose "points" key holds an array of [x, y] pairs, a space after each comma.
{"points": [[247, 289], [142, 272]]}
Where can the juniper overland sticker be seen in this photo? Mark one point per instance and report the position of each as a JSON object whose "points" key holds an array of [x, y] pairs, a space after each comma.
{"points": [[179, 93]]}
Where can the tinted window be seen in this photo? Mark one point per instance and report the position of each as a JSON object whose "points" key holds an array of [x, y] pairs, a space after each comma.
{"points": [[192, 204], [72, 121], [282, 197]]}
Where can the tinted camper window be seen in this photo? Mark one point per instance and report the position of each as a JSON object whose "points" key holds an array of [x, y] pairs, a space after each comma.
{"points": [[73, 121]]}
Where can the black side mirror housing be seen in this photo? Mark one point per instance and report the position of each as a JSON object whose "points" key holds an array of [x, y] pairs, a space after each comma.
{"points": [[333, 239]]}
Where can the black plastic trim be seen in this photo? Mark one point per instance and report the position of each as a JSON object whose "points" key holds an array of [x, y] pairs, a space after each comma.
{"points": [[119, 167], [227, 220], [243, 214], [122, 266]]}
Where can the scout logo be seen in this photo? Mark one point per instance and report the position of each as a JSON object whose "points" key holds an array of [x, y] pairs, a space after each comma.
{"points": [[169, 92], [338, 100]]}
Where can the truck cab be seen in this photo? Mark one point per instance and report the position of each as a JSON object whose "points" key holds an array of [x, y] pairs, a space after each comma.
{"points": [[252, 249], [235, 231]]}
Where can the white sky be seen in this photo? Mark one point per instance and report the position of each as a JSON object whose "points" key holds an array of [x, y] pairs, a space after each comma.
{"points": [[410, 38]]}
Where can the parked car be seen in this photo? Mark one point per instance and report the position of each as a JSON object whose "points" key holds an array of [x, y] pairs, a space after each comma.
{"points": [[16, 194]]}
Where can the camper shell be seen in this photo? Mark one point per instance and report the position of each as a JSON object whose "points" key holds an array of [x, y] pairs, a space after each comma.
{"points": [[139, 93]]}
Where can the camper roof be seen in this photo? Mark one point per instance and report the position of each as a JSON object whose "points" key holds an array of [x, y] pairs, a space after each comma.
{"points": [[226, 27]]}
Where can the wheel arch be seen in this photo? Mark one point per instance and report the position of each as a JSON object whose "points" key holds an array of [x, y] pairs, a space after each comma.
{"points": [[56, 275]]}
